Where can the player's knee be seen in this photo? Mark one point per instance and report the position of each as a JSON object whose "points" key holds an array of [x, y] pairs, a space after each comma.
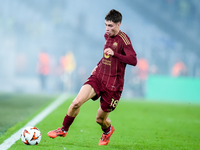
{"points": [[99, 120], [76, 104]]}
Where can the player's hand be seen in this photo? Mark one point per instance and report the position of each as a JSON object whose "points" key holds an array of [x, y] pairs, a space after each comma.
{"points": [[109, 51]]}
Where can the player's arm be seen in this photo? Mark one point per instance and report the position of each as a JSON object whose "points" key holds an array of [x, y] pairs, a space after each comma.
{"points": [[129, 57]]}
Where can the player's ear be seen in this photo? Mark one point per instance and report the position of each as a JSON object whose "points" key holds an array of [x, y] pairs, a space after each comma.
{"points": [[118, 24]]}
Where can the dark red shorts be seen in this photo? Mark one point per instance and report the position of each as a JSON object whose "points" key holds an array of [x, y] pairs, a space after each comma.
{"points": [[108, 99]]}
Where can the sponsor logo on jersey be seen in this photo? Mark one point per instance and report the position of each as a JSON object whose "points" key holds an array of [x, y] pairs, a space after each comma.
{"points": [[106, 62]]}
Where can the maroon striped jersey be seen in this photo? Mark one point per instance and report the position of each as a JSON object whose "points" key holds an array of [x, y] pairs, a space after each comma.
{"points": [[111, 69]]}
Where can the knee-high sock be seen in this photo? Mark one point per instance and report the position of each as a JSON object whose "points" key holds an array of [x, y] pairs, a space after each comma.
{"points": [[106, 130], [67, 122]]}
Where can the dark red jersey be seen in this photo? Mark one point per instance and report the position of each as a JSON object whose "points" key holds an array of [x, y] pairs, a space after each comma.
{"points": [[110, 69]]}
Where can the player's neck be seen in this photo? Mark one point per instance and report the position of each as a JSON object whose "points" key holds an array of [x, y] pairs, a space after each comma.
{"points": [[116, 33]]}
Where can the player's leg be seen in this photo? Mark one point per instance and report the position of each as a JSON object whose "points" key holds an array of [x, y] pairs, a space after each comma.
{"points": [[105, 123], [102, 118], [85, 93]]}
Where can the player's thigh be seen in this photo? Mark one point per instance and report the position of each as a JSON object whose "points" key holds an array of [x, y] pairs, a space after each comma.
{"points": [[86, 92]]}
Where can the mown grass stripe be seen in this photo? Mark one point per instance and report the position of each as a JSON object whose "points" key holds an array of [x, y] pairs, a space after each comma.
{"points": [[16, 136]]}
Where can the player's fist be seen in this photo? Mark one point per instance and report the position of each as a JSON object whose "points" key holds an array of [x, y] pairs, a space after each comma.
{"points": [[109, 51]]}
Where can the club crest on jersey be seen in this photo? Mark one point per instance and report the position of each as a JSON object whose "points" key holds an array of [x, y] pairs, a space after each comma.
{"points": [[114, 45]]}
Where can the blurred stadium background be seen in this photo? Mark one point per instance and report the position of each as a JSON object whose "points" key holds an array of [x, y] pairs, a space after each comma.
{"points": [[67, 36]]}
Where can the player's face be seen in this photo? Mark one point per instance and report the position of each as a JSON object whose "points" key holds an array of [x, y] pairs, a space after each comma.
{"points": [[112, 28]]}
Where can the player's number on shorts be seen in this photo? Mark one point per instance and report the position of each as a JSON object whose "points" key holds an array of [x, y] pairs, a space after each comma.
{"points": [[114, 103]]}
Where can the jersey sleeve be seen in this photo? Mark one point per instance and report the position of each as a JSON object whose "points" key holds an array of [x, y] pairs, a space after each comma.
{"points": [[130, 54]]}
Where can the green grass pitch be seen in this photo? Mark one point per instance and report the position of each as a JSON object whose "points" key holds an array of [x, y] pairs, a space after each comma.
{"points": [[139, 125], [14, 108]]}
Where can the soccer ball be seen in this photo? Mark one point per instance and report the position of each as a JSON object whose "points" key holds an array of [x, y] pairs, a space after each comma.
{"points": [[31, 136]]}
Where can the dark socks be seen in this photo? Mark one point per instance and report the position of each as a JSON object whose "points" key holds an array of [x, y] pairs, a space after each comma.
{"points": [[67, 122], [106, 131]]}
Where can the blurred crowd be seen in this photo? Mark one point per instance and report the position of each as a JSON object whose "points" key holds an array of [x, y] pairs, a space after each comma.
{"points": [[48, 46]]}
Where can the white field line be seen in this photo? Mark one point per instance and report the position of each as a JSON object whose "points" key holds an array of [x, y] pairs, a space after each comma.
{"points": [[16, 136]]}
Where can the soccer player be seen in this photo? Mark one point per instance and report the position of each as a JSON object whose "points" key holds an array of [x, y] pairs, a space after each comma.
{"points": [[106, 80]]}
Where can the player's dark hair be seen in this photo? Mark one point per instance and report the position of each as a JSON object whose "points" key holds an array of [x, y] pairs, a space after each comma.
{"points": [[114, 16]]}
